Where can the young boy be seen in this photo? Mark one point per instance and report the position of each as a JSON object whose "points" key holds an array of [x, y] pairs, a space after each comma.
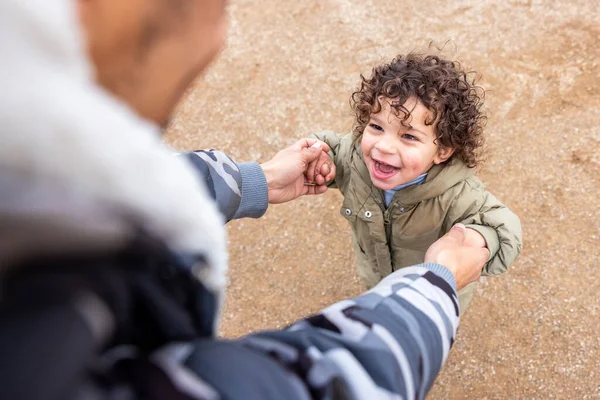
{"points": [[407, 172]]}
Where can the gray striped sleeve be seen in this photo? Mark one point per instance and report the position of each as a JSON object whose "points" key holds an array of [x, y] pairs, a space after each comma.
{"points": [[255, 193], [389, 343], [240, 190]]}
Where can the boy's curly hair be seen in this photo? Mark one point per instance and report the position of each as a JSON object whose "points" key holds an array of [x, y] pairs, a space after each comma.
{"points": [[447, 91]]}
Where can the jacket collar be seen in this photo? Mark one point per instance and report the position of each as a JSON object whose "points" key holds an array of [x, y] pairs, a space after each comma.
{"points": [[439, 179]]}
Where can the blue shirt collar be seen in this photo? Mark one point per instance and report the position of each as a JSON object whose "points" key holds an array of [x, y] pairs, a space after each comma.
{"points": [[389, 194]]}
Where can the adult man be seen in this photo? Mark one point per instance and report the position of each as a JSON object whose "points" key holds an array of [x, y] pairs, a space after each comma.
{"points": [[113, 252]]}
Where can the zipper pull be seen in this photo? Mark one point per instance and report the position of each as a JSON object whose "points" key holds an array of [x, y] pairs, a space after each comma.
{"points": [[386, 217]]}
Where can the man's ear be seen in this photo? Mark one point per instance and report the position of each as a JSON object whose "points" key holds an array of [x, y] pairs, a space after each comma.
{"points": [[443, 154]]}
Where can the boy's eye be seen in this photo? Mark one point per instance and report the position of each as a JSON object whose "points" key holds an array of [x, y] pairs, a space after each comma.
{"points": [[409, 136], [376, 127]]}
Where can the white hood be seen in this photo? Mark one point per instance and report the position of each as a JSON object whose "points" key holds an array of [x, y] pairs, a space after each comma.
{"points": [[79, 171]]}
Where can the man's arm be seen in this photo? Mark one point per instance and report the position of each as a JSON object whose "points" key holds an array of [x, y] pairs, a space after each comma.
{"points": [[246, 189], [240, 190], [388, 343]]}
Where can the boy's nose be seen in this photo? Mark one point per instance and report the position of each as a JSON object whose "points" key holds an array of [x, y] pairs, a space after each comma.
{"points": [[385, 146]]}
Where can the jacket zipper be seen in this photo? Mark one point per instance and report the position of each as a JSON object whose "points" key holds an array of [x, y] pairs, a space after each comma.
{"points": [[388, 226], [387, 222], [386, 217]]}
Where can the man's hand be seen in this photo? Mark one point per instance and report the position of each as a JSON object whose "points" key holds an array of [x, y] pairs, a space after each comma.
{"points": [[474, 239], [450, 251], [286, 171]]}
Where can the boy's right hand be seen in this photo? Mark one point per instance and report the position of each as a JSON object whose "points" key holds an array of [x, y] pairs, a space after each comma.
{"points": [[321, 170]]}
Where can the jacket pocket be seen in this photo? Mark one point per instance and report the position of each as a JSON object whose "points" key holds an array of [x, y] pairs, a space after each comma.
{"points": [[360, 230], [412, 234], [368, 270], [415, 239], [365, 252]]}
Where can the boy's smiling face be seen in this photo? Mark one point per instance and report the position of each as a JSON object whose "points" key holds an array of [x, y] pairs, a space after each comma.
{"points": [[397, 151]]}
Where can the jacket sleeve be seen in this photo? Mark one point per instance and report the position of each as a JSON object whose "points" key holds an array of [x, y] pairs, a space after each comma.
{"points": [[341, 147], [480, 210], [240, 190], [387, 343]]}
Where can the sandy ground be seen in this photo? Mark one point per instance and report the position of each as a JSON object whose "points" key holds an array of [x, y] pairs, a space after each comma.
{"points": [[288, 70]]}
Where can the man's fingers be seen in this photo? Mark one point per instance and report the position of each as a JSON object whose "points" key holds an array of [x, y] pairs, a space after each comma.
{"points": [[483, 255], [309, 142], [310, 154], [321, 145], [457, 233], [317, 189], [311, 171], [321, 189], [303, 144]]}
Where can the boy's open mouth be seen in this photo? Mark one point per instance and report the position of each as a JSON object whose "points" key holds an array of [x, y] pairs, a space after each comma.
{"points": [[383, 171]]}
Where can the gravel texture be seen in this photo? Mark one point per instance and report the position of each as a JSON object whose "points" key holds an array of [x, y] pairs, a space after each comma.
{"points": [[288, 70]]}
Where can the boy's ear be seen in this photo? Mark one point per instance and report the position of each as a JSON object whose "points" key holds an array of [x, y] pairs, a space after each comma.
{"points": [[444, 153]]}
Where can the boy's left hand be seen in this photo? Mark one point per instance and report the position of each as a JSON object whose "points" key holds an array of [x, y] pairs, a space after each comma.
{"points": [[474, 239]]}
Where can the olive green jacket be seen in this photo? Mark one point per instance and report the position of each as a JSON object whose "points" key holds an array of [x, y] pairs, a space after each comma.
{"points": [[388, 239]]}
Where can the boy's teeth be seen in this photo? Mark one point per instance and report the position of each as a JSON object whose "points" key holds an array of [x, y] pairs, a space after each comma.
{"points": [[386, 168]]}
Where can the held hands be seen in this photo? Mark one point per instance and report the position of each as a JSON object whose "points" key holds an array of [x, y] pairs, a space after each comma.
{"points": [[287, 172], [321, 170], [451, 251], [474, 238]]}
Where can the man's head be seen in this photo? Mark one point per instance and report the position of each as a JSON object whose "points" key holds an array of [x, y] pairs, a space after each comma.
{"points": [[415, 112], [147, 52]]}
